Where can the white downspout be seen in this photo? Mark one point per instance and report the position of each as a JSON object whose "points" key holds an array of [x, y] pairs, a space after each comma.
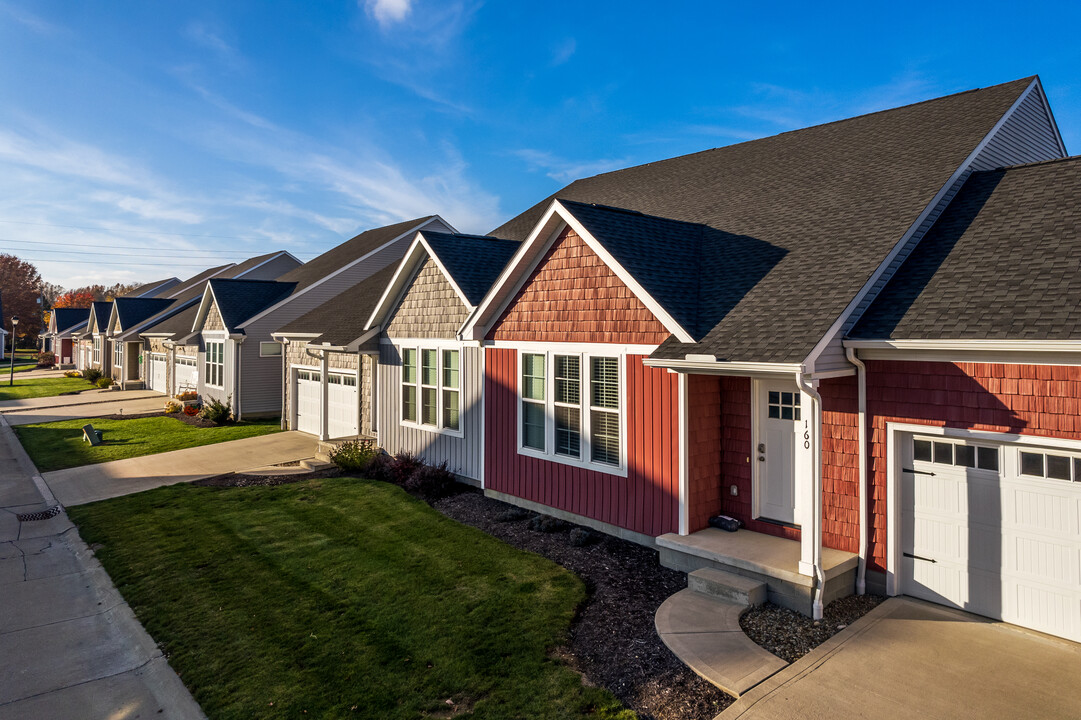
{"points": [[286, 406], [236, 380], [861, 376], [816, 474]]}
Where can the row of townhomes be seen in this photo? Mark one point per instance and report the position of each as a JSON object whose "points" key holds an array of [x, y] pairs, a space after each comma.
{"points": [[861, 340]]}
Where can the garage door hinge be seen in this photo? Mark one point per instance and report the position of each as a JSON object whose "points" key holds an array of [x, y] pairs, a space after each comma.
{"points": [[917, 557], [917, 472]]}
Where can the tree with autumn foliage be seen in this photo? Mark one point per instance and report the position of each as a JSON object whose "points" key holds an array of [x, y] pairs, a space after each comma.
{"points": [[81, 298], [20, 287]]}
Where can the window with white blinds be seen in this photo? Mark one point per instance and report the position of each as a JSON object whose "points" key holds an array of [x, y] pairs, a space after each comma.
{"points": [[570, 408]]}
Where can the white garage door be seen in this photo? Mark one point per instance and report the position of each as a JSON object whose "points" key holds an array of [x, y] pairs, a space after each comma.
{"points": [[156, 376], [184, 367], [993, 528], [343, 409], [307, 395]]}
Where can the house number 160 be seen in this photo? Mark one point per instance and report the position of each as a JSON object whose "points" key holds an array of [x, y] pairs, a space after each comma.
{"points": [[806, 436]]}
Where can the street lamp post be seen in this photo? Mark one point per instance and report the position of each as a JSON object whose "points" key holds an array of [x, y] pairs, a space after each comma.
{"points": [[14, 322]]}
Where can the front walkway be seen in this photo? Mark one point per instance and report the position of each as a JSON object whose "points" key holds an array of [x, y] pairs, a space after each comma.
{"points": [[911, 659], [70, 647], [80, 485], [86, 397]]}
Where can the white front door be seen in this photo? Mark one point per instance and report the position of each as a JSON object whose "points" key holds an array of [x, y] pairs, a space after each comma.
{"points": [[308, 386], [343, 409], [779, 414], [993, 528]]}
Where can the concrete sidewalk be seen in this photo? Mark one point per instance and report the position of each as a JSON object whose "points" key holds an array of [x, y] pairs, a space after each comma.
{"points": [[134, 406], [911, 659], [80, 485], [70, 647], [86, 397]]}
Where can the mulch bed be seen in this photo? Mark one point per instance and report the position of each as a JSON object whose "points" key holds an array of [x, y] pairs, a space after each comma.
{"points": [[613, 641], [242, 480], [790, 635]]}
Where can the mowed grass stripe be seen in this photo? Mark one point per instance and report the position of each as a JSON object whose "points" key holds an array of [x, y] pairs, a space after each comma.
{"points": [[344, 598]]}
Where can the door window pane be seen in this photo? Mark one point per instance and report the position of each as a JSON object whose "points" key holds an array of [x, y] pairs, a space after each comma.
{"points": [[964, 455], [1032, 464], [1058, 467], [944, 453], [987, 458], [921, 450]]}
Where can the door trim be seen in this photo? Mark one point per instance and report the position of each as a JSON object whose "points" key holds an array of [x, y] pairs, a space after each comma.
{"points": [[757, 391]]}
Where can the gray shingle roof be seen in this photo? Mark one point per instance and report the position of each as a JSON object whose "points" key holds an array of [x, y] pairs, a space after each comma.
{"points": [[341, 319], [67, 318], [131, 311], [239, 300], [473, 261], [815, 211], [185, 287], [101, 310], [341, 255], [144, 289], [1002, 262]]}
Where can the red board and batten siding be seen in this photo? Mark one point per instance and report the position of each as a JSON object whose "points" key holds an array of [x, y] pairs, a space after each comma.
{"points": [[646, 501], [572, 296], [1039, 400]]}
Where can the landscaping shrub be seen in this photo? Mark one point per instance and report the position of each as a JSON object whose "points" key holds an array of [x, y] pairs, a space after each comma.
{"points": [[104, 382], [546, 524], [405, 464], [92, 375], [432, 482], [381, 467], [172, 407], [580, 537], [46, 359], [512, 514], [217, 412], [355, 455], [72, 373]]}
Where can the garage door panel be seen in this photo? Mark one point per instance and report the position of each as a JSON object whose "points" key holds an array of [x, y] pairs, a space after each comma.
{"points": [[1044, 609], [1040, 558], [1044, 511], [934, 537], [343, 406], [308, 390]]}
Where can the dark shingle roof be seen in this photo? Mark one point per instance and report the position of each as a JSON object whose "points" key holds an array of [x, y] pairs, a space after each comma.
{"points": [[341, 320], [473, 261], [67, 318], [132, 311], [143, 289], [185, 287], [239, 300], [176, 325], [823, 206], [102, 310], [250, 264], [337, 257], [1002, 262]]}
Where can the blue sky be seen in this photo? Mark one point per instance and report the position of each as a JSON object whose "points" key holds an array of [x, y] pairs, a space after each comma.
{"points": [[161, 138]]}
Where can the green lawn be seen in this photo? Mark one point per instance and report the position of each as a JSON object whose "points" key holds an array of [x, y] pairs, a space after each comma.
{"points": [[341, 598], [58, 445], [39, 387]]}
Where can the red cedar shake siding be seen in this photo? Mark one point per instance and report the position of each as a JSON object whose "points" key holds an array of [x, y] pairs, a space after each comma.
{"points": [[1041, 400], [572, 296], [646, 501]]}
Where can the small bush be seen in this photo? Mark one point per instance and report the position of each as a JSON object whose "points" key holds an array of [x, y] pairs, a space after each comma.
{"points": [[104, 382], [72, 373], [46, 358], [172, 407], [92, 375], [405, 464], [189, 395], [354, 456], [217, 412], [546, 524], [512, 514], [381, 467], [580, 537], [432, 482]]}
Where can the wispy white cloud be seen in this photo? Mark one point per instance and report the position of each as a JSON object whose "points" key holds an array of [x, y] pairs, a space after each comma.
{"points": [[567, 170], [27, 19], [388, 12], [563, 51], [214, 39]]}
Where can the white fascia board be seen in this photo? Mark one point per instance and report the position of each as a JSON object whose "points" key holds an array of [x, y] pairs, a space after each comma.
{"points": [[204, 308], [339, 271], [355, 344], [512, 277], [720, 367], [839, 323], [114, 316], [1030, 352], [1035, 346], [397, 283], [293, 335]]}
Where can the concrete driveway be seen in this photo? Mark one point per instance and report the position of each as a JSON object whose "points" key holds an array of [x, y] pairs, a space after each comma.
{"points": [[911, 659], [80, 485]]}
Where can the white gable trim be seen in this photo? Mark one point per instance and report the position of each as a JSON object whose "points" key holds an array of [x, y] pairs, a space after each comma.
{"points": [[839, 323], [528, 257], [204, 307], [340, 270], [270, 259]]}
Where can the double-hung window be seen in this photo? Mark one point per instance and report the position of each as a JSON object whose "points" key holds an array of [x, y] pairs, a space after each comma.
{"points": [[570, 408], [431, 387], [97, 351], [214, 363], [118, 354]]}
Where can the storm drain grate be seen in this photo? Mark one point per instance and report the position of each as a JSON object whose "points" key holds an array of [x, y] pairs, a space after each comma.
{"points": [[41, 515]]}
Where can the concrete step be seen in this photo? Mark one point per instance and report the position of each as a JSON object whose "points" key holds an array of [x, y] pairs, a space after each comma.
{"points": [[727, 586], [316, 464]]}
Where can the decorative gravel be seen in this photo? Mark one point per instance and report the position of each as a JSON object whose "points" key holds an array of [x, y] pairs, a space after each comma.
{"points": [[790, 635], [613, 642]]}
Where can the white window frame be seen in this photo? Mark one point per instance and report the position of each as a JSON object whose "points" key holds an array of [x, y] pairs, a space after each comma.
{"points": [[96, 344], [277, 354], [209, 366], [118, 355], [585, 354], [439, 348]]}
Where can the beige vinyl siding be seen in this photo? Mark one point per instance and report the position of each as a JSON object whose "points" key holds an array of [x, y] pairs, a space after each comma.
{"points": [[430, 308], [1026, 136], [463, 454]]}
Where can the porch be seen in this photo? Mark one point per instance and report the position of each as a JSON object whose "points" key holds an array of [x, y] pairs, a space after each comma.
{"points": [[764, 558]]}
